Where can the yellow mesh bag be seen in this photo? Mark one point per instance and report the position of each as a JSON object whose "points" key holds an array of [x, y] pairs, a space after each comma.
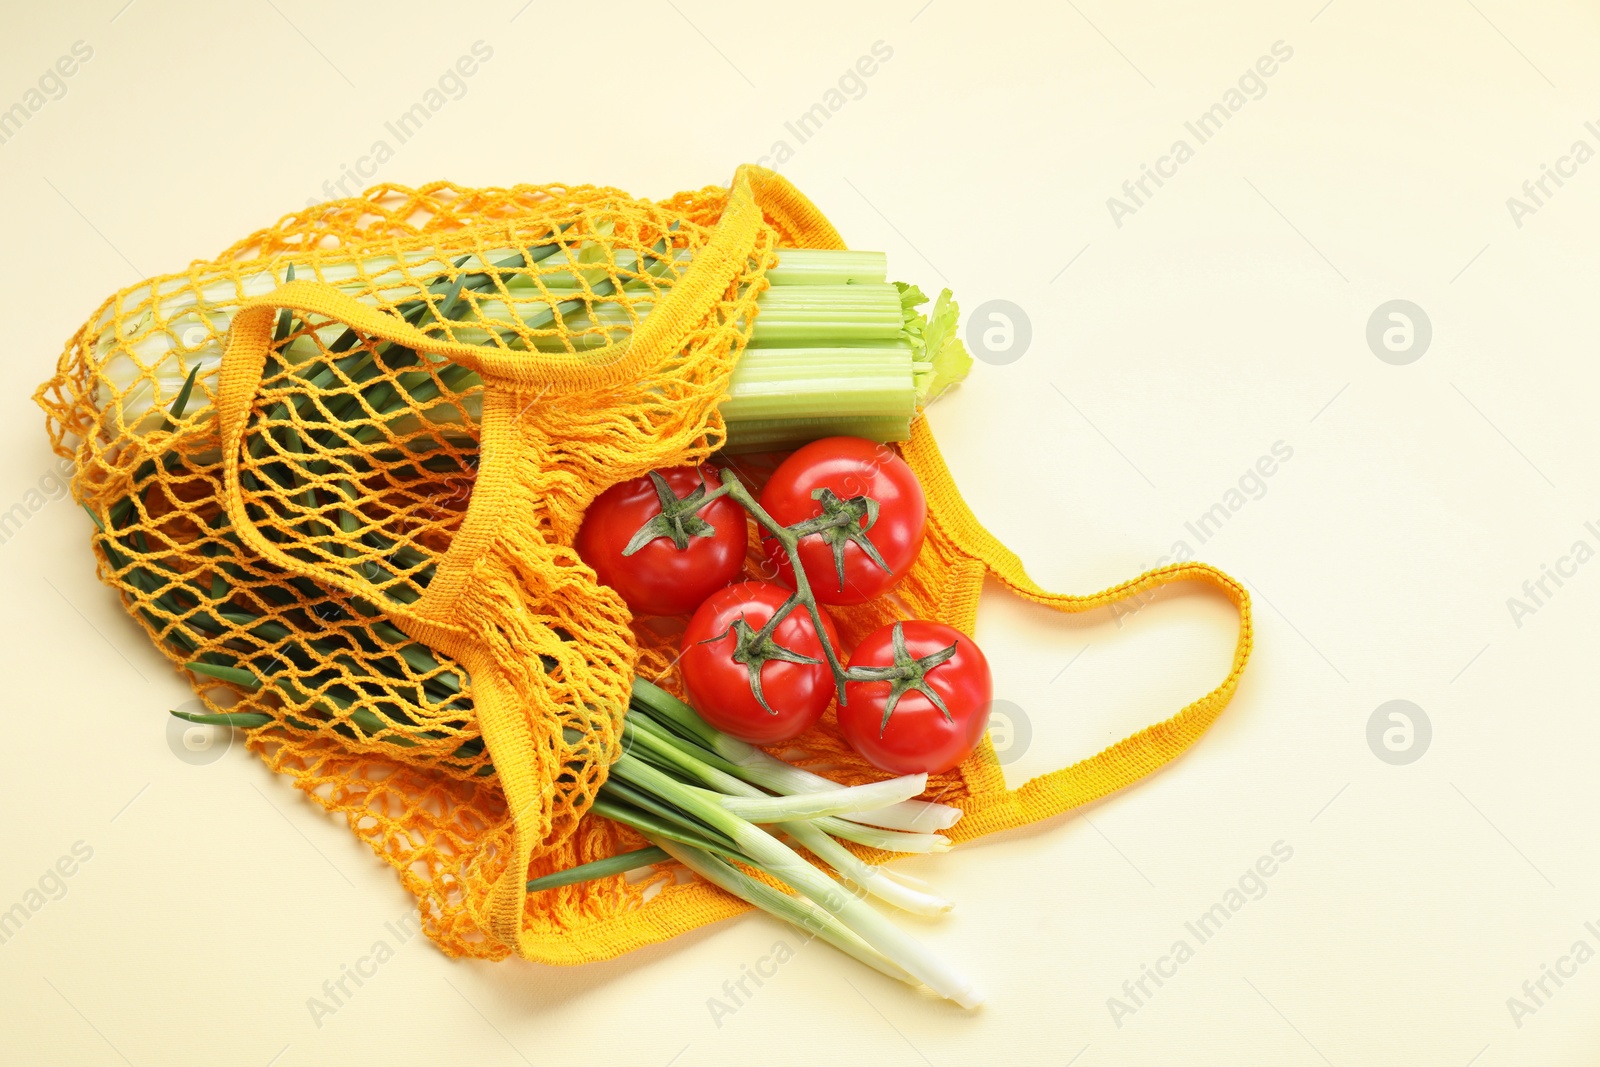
{"points": [[372, 508]]}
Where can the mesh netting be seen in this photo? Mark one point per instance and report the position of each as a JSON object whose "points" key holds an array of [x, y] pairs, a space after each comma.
{"points": [[358, 461]]}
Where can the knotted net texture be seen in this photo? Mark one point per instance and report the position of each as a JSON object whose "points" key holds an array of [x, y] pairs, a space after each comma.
{"points": [[354, 522]]}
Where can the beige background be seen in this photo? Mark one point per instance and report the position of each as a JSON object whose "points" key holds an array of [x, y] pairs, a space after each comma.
{"points": [[1225, 315]]}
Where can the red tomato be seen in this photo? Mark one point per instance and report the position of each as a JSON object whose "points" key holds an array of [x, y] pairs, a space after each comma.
{"points": [[833, 475], [659, 577], [720, 686], [917, 736]]}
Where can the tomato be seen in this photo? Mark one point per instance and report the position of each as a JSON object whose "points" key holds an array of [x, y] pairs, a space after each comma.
{"points": [[876, 506], [916, 736], [695, 552], [719, 685]]}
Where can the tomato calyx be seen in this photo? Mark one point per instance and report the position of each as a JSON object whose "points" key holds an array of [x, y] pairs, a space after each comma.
{"points": [[754, 649], [679, 519], [841, 523], [907, 674]]}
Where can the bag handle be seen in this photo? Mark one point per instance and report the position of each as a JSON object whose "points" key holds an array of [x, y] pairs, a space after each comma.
{"points": [[1127, 761]]}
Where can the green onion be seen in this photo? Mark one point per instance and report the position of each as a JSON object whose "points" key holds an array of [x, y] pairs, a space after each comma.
{"points": [[880, 839], [778, 861], [796, 910], [900, 891], [834, 802], [712, 772], [753, 765], [621, 863]]}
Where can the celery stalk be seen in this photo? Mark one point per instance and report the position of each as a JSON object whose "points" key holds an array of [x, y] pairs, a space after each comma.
{"points": [[808, 266], [765, 435], [770, 383]]}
